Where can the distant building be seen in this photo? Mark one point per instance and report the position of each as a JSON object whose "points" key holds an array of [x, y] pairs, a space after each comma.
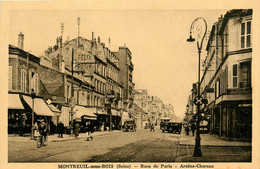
{"points": [[153, 106]]}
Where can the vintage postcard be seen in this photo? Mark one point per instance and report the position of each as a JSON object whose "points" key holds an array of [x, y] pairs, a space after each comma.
{"points": [[129, 84]]}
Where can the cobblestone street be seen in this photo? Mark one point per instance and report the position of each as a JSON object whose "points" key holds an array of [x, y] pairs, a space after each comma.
{"points": [[140, 146]]}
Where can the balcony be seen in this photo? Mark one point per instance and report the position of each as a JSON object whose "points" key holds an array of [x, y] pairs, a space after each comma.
{"points": [[243, 90]]}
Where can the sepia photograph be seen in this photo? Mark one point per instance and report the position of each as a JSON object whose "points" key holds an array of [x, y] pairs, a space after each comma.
{"points": [[141, 87]]}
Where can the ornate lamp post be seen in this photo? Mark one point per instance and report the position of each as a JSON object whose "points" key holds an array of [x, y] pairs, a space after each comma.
{"points": [[200, 33], [33, 96]]}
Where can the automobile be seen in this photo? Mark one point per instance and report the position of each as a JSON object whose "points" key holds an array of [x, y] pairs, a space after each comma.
{"points": [[173, 127], [129, 125], [164, 120]]}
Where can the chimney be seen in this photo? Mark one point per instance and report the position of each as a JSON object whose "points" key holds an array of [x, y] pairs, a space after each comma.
{"points": [[92, 35], [98, 39], [20, 40]]}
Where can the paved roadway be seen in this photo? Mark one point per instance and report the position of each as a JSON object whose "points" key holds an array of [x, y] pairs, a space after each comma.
{"points": [[140, 146]]}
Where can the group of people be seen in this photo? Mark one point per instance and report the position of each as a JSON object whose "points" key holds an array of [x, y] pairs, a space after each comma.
{"points": [[41, 129], [88, 128], [191, 127]]}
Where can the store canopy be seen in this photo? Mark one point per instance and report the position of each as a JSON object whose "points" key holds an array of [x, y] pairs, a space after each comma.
{"points": [[86, 112], [40, 107], [165, 118], [115, 112], [14, 102], [102, 112], [53, 108]]}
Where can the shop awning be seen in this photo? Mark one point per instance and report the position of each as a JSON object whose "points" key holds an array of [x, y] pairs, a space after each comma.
{"points": [[14, 102], [40, 107], [101, 112], [115, 112], [53, 108], [83, 111]]}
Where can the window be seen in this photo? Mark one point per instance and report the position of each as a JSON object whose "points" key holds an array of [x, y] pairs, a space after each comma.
{"points": [[34, 82], [10, 78], [234, 75], [217, 88], [246, 34], [23, 80], [245, 74]]}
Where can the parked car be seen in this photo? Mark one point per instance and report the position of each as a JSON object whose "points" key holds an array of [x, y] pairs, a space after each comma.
{"points": [[173, 127], [129, 125]]}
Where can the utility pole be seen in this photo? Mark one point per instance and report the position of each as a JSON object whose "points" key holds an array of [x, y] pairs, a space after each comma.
{"points": [[78, 29]]}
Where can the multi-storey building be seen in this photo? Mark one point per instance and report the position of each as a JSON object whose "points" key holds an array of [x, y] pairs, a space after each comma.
{"points": [[126, 77], [23, 81], [95, 65], [227, 77]]}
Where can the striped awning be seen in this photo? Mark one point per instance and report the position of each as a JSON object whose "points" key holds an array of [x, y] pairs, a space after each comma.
{"points": [[40, 107], [83, 111], [14, 102]]}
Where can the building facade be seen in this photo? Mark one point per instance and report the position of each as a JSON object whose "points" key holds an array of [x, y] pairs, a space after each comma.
{"points": [[226, 82]]}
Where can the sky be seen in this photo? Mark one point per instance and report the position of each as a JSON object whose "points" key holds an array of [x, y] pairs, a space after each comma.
{"points": [[164, 63]]}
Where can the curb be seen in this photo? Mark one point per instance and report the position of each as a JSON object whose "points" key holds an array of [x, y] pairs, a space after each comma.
{"points": [[179, 159]]}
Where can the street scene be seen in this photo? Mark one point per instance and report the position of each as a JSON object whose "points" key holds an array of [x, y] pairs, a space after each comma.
{"points": [[101, 86], [116, 146]]}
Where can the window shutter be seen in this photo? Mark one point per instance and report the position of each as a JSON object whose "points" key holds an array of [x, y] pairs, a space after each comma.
{"points": [[10, 78]]}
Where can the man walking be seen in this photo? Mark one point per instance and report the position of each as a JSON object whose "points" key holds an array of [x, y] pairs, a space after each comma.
{"points": [[43, 130], [152, 127]]}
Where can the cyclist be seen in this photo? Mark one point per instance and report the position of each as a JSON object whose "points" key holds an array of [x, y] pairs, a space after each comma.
{"points": [[43, 131]]}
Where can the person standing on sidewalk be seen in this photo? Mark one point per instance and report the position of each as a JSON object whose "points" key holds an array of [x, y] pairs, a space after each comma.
{"points": [[76, 130], [60, 129], [187, 129], [193, 129], [89, 130], [152, 127]]}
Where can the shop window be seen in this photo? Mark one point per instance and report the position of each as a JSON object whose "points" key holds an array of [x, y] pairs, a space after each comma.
{"points": [[246, 34], [34, 82]]}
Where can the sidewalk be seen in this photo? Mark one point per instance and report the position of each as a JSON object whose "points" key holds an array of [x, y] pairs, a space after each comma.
{"points": [[66, 137], [213, 149], [210, 140]]}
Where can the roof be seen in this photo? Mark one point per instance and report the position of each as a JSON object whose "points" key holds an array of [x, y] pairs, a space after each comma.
{"points": [[234, 13]]}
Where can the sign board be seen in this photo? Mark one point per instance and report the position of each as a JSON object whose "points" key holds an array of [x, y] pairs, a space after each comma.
{"points": [[110, 96], [72, 102]]}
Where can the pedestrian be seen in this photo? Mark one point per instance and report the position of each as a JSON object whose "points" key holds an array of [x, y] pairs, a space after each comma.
{"points": [[60, 129], [187, 129], [43, 130], [152, 127], [76, 130], [36, 128], [193, 128], [89, 130]]}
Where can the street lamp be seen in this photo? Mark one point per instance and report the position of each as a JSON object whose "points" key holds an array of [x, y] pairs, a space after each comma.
{"points": [[200, 37], [33, 96]]}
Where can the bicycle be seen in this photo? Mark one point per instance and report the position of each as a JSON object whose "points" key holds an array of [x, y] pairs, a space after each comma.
{"points": [[43, 142]]}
